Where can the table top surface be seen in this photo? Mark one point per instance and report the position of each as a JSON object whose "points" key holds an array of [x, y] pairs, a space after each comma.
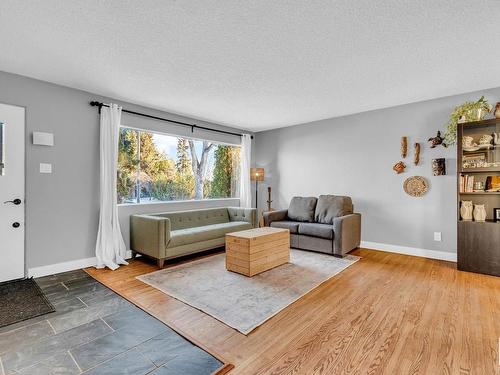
{"points": [[257, 232]]}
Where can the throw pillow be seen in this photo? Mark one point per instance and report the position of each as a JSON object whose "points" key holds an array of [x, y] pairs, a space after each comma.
{"points": [[302, 209], [330, 207]]}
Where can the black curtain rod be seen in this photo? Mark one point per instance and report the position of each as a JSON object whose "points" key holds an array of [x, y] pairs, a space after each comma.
{"points": [[192, 126]]}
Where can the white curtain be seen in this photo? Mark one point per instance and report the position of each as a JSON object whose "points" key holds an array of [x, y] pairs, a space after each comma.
{"points": [[110, 248], [246, 154]]}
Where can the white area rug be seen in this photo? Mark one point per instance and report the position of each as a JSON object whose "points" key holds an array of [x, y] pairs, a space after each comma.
{"points": [[242, 302]]}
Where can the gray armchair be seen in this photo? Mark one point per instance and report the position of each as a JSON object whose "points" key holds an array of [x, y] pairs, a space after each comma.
{"points": [[326, 224]]}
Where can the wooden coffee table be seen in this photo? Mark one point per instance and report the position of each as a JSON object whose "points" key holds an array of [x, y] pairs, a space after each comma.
{"points": [[253, 251]]}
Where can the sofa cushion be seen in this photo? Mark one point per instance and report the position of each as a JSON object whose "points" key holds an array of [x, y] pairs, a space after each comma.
{"points": [[302, 209], [186, 236], [330, 207], [316, 230], [292, 226], [196, 218]]}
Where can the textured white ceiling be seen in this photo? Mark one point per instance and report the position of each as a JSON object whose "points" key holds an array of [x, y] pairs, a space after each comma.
{"points": [[256, 64]]}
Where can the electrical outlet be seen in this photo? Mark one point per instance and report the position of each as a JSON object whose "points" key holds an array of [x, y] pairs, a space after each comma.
{"points": [[437, 236]]}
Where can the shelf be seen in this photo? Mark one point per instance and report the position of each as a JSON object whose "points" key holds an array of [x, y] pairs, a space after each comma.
{"points": [[489, 149], [482, 193], [488, 221], [480, 170], [481, 124]]}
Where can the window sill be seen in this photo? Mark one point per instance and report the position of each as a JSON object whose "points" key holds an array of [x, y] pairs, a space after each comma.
{"points": [[177, 202]]}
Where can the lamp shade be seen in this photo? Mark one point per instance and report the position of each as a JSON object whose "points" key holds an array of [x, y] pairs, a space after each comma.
{"points": [[257, 174]]}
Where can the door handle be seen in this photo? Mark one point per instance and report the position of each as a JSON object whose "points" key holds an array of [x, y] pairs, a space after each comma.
{"points": [[16, 201]]}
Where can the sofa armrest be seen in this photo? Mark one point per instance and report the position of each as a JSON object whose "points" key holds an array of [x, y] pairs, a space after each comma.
{"points": [[242, 214], [346, 233], [271, 216], [149, 235]]}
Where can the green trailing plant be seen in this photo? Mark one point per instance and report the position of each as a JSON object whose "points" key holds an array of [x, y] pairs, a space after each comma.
{"points": [[472, 111]]}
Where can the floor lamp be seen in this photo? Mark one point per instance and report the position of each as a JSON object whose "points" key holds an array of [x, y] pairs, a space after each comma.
{"points": [[256, 174]]}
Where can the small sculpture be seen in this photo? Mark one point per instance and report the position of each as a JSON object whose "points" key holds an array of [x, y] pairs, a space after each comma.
{"points": [[466, 210], [485, 140], [399, 167], [269, 200], [416, 157], [437, 140], [404, 147], [497, 110], [468, 142], [479, 213]]}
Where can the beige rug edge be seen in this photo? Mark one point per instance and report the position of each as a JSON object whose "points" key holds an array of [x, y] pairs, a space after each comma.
{"points": [[354, 259]]}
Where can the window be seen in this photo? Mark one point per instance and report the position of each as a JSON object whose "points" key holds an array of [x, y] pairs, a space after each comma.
{"points": [[155, 167]]}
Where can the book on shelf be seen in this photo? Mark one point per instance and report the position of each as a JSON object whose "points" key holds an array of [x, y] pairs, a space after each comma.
{"points": [[466, 184]]}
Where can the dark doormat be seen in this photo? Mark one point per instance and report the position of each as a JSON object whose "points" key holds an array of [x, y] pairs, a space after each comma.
{"points": [[21, 300]]}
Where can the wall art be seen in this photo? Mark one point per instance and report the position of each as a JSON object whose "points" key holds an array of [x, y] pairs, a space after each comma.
{"points": [[399, 167], [404, 147], [416, 186], [416, 156], [437, 140], [439, 167]]}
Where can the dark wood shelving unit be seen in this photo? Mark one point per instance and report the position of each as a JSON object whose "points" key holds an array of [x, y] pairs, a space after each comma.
{"points": [[479, 242]]}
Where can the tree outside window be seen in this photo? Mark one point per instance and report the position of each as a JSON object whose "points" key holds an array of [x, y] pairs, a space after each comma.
{"points": [[157, 167]]}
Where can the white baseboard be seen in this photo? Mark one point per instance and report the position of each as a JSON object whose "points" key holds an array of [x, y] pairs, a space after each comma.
{"points": [[424, 253], [72, 265]]}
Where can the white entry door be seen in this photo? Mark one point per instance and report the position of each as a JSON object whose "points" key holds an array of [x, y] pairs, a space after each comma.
{"points": [[11, 192]]}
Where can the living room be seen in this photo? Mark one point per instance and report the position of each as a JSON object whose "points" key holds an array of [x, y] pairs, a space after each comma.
{"points": [[249, 187]]}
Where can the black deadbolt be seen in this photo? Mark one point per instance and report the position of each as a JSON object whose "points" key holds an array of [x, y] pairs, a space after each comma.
{"points": [[16, 224]]}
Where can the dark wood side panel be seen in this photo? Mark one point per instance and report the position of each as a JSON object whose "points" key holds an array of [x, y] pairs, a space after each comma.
{"points": [[479, 247]]}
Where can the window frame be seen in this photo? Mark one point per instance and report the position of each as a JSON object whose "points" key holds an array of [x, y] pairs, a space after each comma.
{"points": [[176, 136]]}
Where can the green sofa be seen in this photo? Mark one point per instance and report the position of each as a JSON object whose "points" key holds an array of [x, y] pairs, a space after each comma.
{"points": [[170, 235]]}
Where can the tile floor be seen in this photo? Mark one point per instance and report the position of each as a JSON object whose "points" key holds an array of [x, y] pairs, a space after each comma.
{"points": [[95, 331]]}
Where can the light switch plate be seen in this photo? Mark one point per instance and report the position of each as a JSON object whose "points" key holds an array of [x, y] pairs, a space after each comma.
{"points": [[437, 236], [43, 139], [45, 168]]}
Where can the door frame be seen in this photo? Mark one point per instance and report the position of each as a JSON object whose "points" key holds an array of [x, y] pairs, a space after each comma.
{"points": [[25, 164]]}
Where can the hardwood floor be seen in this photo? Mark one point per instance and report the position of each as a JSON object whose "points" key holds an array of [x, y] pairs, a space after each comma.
{"points": [[386, 314]]}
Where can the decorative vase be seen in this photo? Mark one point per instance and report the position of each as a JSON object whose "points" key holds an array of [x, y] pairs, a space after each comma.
{"points": [[466, 210], [477, 114], [496, 138], [479, 213], [497, 110]]}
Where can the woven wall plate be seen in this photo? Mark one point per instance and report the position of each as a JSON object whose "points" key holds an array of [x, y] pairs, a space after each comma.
{"points": [[415, 186]]}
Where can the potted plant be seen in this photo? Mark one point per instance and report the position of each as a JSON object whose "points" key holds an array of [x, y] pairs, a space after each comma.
{"points": [[469, 111]]}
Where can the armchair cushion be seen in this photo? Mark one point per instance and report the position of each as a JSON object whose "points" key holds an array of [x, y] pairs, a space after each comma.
{"points": [[331, 206], [316, 230], [292, 226], [302, 209]]}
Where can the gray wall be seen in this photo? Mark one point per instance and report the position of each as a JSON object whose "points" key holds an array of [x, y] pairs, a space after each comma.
{"points": [[354, 155], [62, 207]]}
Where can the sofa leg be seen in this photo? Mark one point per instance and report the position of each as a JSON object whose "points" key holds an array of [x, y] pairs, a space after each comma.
{"points": [[161, 262], [338, 255], [133, 254]]}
